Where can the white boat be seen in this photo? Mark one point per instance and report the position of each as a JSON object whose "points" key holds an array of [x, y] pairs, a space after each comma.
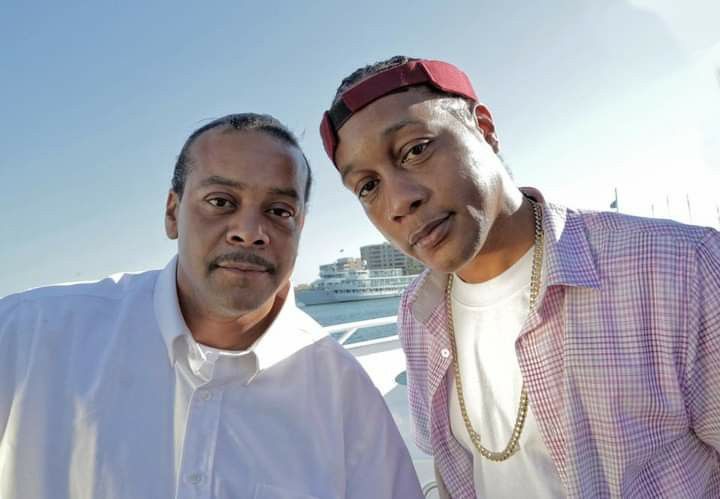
{"points": [[341, 285], [384, 361]]}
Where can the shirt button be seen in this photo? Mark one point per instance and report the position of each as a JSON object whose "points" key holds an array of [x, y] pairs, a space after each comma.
{"points": [[445, 353], [206, 395], [196, 478]]}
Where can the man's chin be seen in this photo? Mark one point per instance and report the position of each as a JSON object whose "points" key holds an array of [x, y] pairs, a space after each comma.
{"points": [[239, 306], [445, 259], [242, 296]]}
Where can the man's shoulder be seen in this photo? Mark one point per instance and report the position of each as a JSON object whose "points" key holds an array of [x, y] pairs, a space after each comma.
{"points": [[316, 337], [601, 226], [327, 353], [332, 355], [81, 295], [631, 224]]}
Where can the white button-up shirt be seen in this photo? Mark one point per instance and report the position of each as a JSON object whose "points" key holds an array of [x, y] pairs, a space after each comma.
{"points": [[104, 394]]}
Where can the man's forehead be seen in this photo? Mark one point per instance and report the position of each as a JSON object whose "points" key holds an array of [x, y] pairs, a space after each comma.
{"points": [[251, 154], [389, 115], [239, 143], [244, 146]]}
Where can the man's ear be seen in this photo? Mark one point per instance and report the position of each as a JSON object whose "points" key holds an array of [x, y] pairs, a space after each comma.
{"points": [[485, 122], [171, 209]]}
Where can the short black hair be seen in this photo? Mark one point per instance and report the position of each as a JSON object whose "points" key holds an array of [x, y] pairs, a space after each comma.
{"points": [[239, 122]]}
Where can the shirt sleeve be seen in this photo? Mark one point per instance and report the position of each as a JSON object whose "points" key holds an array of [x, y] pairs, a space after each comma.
{"points": [[378, 462], [703, 367]]}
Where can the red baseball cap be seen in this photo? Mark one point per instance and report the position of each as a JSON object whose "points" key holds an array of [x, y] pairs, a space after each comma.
{"points": [[437, 74]]}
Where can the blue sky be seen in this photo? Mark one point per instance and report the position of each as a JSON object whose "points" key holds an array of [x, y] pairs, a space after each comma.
{"points": [[98, 99]]}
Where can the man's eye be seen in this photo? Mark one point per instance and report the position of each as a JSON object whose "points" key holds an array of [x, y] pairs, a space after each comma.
{"points": [[220, 202], [367, 188], [414, 151], [280, 212]]}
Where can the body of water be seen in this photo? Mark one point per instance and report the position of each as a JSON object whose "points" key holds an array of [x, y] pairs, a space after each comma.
{"points": [[338, 313]]}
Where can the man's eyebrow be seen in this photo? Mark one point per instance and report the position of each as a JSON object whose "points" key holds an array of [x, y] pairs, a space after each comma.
{"points": [[227, 182], [218, 180], [399, 125]]}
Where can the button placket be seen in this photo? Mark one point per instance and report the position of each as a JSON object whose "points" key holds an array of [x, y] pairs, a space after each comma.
{"points": [[199, 444]]}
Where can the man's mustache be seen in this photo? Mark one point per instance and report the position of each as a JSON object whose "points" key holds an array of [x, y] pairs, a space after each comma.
{"points": [[243, 257]]}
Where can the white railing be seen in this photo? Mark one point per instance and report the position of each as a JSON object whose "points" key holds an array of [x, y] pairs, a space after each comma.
{"points": [[429, 488], [350, 328]]}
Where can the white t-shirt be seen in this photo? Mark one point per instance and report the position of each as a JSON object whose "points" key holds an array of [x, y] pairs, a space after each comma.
{"points": [[488, 318]]}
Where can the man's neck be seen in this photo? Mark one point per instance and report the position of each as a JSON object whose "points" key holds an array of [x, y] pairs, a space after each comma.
{"points": [[231, 331], [510, 238]]}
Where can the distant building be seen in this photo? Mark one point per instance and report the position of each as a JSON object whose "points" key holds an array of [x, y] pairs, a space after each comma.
{"points": [[342, 265], [384, 256]]}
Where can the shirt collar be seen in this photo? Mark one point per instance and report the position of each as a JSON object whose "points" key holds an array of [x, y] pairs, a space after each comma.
{"points": [[167, 310], [291, 330], [568, 259]]}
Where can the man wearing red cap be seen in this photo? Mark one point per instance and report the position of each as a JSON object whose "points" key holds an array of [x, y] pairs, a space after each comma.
{"points": [[550, 352]]}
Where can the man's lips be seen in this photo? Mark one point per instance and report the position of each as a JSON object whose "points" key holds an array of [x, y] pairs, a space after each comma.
{"points": [[431, 233], [242, 267], [243, 262]]}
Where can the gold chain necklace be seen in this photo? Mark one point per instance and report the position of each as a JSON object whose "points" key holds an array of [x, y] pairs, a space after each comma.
{"points": [[511, 447]]}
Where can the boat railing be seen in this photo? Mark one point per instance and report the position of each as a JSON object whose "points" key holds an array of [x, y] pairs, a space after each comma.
{"points": [[343, 333]]}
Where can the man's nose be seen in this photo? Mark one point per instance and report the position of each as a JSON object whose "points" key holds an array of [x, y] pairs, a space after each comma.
{"points": [[404, 195], [246, 229]]}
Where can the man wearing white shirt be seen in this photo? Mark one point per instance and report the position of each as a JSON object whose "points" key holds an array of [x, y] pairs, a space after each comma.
{"points": [[201, 380]]}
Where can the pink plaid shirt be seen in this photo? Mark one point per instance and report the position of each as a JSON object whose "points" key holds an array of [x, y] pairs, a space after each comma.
{"points": [[621, 359]]}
